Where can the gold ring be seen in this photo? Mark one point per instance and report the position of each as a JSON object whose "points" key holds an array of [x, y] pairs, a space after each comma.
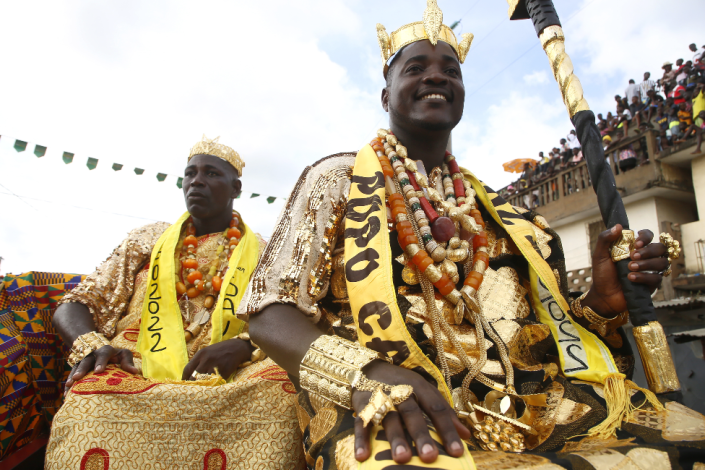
{"points": [[622, 248], [377, 408], [673, 246]]}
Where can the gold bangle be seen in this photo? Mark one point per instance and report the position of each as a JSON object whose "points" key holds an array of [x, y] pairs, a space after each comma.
{"points": [[256, 356], [622, 248], [330, 367], [597, 322], [85, 345]]}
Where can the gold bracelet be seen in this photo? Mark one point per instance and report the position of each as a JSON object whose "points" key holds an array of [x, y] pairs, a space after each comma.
{"points": [[656, 357], [85, 345], [256, 356], [597, 322], [622, 248], [331, 365]]}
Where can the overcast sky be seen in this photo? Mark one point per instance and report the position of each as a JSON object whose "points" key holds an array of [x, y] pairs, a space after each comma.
{"points": [[283, 82]]}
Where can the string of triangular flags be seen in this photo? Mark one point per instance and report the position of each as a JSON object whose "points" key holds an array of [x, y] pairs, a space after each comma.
{"points": [[92, 163]]}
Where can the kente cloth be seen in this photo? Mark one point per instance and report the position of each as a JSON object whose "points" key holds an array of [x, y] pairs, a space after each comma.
{"points": [[114, 420], [33, 366], [304, 266]]}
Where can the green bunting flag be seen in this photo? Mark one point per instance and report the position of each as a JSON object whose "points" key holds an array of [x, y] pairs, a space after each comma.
{"points": [[92, 164], [40, 150]]}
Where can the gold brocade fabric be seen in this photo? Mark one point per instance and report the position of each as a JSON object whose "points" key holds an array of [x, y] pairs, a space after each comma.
{"points": [[115, 291], [115, 420], [303, 266]]}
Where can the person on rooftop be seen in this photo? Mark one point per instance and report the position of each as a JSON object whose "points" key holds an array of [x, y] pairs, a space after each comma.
{"points": [[635, 108], [632, 90], [698, 54], [651, 104], [668, 81], [646, 85], [624, 117]]}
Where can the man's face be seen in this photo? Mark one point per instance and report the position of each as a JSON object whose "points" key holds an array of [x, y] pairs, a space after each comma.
{"points": [[667, 68], [646, 76], [426, 90], [210, 184], [693, 47]]}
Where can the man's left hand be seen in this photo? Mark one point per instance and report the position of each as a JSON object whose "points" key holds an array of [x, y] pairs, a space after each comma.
{"points": [[225, 356], [648, 260]]}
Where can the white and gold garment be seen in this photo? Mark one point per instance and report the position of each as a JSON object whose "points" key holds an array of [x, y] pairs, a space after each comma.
{"points": [[116, 420], [304, 266]]}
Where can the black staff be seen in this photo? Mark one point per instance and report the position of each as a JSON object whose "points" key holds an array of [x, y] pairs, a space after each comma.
{"points": [[648, 332]]}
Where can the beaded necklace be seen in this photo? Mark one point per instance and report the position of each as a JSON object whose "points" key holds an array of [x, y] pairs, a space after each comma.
{"points": [[447, 231], [194, 284]]}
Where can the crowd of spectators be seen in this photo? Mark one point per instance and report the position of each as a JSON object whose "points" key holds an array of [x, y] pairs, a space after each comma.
{"points": [[673, 105]]}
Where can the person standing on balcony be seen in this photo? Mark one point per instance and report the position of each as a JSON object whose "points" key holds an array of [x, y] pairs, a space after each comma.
{"points": [[668, 81], [651, 104], [646, 85], [624, 118], [632, 90]]}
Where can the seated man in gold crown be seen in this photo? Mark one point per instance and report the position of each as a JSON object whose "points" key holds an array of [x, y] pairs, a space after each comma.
{"points": [[429, 323], [164, 374]]}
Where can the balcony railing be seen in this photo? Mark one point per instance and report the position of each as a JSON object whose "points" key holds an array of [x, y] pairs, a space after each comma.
{"points": [[569, 191]]}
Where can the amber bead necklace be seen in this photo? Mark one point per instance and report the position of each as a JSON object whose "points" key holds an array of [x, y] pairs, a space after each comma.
{"points": [[194, 283], [447, 232]]}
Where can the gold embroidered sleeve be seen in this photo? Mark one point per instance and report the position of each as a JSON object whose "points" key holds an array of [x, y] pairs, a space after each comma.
{"points": [[295, 267], [107, 291]]}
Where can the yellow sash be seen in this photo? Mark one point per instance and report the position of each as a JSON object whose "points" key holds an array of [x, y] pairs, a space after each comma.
{"points": [[161, 340]]}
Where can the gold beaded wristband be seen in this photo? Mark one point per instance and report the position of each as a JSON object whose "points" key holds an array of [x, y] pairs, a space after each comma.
{"points": [[332, 365], [256, 356], [597, 322], [85, 345]]}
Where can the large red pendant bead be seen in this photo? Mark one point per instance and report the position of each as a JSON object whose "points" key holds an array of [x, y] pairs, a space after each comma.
{"points": [[443, 229]]}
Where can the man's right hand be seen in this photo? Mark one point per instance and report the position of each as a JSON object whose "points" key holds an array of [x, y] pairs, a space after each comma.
{"points": [[97, 362], [410, 417]]}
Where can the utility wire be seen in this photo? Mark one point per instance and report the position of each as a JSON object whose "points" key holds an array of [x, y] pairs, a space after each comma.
{"points": [[18, 197], [524, 53]]}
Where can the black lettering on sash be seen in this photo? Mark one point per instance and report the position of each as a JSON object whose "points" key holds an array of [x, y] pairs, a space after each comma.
{"points": [[498, 200], [572, 336], [374, 308], [568, 351], [152, 326], [399, 349], [363, 235], [234, 286], [228, 306], [373, 201], [153, 307], [369, 255], [561, 315], [506, 216], [154, 291], [159, 254], [227, 325], [159, 338], [369, 184], [155, 272]]}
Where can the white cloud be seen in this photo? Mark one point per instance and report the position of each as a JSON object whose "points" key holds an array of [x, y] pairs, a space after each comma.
{"points": [[537, 77], [519, 126]]}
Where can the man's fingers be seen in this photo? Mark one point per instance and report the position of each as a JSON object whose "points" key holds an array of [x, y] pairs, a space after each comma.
{"points": [[83, 367], [126, 361], [651, 280], [401, 447], [417, 427], [189, 369], [653, 250], [362, 441], [442, 417], [654, 264], [102, 356], [644, 238], [606, 238]]}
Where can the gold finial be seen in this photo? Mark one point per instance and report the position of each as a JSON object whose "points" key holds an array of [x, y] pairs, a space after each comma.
{"points": [[432, 21], [212, 147], [383, 39], [464, 46]]}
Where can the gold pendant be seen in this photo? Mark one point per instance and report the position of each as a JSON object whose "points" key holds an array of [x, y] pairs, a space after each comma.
{"points": [[410, 275]]}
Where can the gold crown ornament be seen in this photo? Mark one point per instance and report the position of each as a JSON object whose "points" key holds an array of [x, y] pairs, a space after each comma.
{"points": [[211, 147], [431, 28]]}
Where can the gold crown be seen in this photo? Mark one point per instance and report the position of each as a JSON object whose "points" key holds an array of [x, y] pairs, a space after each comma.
{"points": [[431, 28], [211, 147]]}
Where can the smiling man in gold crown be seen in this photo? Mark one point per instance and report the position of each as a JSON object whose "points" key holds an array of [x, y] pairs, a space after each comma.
{"points": [[429, 323], [164, 374]]}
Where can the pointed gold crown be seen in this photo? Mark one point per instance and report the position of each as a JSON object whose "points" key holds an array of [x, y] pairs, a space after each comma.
{"points": [[211, 147], [431, 28]]}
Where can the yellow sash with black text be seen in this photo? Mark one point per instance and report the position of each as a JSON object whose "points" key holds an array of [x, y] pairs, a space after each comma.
{"points": [[373, 300], [161, 340]]}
